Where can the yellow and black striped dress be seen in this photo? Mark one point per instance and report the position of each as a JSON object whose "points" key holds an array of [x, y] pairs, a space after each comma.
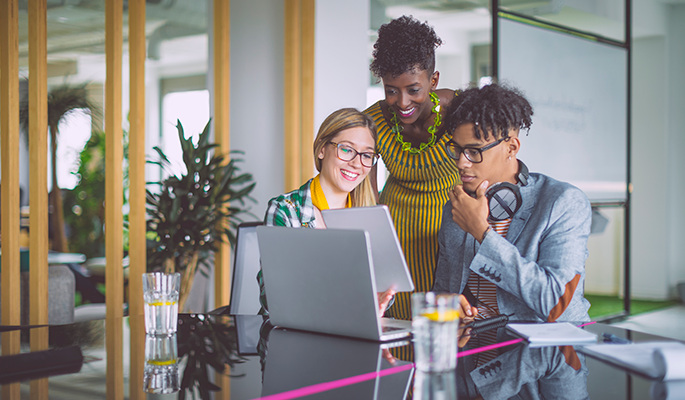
{"points": [[415, 192]]}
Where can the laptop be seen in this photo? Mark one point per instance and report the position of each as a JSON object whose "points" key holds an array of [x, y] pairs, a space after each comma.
{"points": [[296, 360], [322, 280], [389, 263]]}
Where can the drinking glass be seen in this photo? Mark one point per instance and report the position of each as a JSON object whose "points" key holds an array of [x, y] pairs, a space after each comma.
{"points": [[435, 321], [160, 292], [161, 365], [435, 385]]}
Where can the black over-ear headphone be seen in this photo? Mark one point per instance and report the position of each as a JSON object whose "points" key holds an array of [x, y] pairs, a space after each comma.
{"points": [[504, 198]]}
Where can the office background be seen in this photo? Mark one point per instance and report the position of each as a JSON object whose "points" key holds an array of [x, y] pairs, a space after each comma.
{"points": [[179, 65]]}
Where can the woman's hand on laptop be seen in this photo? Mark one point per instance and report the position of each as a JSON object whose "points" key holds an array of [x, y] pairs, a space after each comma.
{"points": [[384, 299]]}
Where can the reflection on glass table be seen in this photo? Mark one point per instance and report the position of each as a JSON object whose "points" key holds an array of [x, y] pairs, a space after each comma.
{"points": [[259, 360], [161, 365], [296, 360]]}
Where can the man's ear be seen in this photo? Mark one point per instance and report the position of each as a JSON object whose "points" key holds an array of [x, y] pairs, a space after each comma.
{"points": [[513, 145]]}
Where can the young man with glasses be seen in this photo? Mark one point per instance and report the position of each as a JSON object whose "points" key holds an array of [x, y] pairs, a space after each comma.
{"points": [[513, 243]]}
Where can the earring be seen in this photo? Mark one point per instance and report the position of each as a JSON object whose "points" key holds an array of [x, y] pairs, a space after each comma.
{"points": [[510, 158]]}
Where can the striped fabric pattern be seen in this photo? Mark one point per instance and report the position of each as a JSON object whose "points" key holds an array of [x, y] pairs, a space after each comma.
{"points": [[415, 193], [486, 293]]}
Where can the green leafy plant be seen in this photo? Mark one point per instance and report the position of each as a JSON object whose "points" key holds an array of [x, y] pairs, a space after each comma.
{"points": [[62, 101], [84, 206], [189, 215]]}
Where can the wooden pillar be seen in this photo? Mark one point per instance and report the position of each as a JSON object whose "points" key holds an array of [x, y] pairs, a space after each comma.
{"points": [[114, 282], [9, 197], [221, 25], [38, 183], [307, 111], [136, 159], [222, 109], [299, 91]]}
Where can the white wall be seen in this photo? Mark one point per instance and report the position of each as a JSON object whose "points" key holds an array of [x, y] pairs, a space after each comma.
{"points": [[341, 67], [676, 144], [257, 94], [649, 250], [657, 145]]}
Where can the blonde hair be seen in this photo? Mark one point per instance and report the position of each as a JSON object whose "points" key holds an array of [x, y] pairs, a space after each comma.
{"points": [[340, 120]]}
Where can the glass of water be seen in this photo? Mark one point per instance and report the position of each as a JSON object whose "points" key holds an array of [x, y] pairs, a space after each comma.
{"points": [[161, 365], [435, 385], [160, 294], [435, 321]]}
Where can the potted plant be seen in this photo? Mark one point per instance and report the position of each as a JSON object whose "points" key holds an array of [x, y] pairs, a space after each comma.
{"points": [[84, 206], [189, 215], [62, 101]]}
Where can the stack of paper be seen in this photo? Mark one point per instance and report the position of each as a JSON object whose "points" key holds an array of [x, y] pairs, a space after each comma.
{"points": [[553, 334], [658, 360]]}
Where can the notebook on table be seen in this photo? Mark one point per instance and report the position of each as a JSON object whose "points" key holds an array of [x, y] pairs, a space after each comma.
{"points": [[390, 266], [552, 334], [322, 280]]}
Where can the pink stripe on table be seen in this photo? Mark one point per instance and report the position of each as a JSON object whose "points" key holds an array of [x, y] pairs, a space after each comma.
{"points": [[490, 347], [323, 387]]}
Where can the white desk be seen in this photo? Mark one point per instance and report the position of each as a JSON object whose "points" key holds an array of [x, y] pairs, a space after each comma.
{"points": [[66, 258]]}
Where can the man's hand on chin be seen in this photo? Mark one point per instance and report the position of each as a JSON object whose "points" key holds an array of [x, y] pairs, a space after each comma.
{"points": [[471, 214]]}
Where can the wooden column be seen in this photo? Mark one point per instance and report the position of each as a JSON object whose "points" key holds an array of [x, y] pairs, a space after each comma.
{"points": [[299, 91], [136, 159], [221, 25], [307, 101], [9, 152], [38, 183], [222, 124], [114, 238], [293, 88]]}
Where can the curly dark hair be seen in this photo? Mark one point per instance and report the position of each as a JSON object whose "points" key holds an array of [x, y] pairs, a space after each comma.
{"points": [[494, 108], [402, 44]]}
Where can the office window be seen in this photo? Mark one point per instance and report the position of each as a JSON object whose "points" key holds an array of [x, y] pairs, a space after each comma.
{"points": [[186, 100]]}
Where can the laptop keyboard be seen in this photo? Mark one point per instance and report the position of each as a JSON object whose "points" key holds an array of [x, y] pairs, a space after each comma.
{"points": [[392, 328]]}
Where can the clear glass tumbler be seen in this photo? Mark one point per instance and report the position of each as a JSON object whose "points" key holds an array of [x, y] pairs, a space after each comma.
{"points": [[435, 322], [435, 385], [160, 294]]}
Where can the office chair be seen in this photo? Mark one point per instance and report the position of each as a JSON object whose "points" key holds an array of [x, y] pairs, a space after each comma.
{"points": [[244, 288]]}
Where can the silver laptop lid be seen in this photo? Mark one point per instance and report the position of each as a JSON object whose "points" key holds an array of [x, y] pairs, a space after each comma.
{"points": [[320, 280], [390, 266]]}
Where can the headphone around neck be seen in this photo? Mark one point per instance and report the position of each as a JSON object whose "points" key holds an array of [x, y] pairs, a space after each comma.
{"points": [[504, 198]]}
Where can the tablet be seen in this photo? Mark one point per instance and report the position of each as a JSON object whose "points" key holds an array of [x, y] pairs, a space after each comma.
{"points": [[390, 266]]}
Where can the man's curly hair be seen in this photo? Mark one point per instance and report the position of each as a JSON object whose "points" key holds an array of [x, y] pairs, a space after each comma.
{"points": [[493, 109], [403, 44]]}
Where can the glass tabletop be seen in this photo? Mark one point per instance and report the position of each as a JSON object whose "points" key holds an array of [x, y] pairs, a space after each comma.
{"points": [[244, 357]]}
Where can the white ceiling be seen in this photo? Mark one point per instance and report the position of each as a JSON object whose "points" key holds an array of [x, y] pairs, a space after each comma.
{"points": [[77, 27]]}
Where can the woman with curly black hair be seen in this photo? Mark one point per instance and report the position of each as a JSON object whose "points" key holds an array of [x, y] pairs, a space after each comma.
{"points": [[412, 141]]}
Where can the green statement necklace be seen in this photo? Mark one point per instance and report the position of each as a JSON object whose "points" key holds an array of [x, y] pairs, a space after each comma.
{"points": [[397, 128]]}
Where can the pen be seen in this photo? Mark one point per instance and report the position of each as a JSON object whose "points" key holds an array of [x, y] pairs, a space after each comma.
{"points": [[611, 338]]}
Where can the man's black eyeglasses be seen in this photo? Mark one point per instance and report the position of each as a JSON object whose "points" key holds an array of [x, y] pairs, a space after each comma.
{"points": [[347, 153], [473, 154]]}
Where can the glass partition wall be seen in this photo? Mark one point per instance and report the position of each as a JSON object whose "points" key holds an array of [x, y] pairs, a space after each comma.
{"points": [[575, 70]]}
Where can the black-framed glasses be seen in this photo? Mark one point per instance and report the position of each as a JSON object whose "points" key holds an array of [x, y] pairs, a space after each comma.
{"points": [[347, 153], [473, 154]]}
